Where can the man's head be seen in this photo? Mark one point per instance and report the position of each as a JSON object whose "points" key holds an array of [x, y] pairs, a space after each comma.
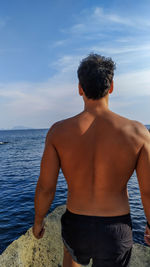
{"points": [[95, 75]]}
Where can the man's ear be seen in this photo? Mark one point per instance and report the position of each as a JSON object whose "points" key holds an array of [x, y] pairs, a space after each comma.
{"points": [[111, 87], [80, 89]]}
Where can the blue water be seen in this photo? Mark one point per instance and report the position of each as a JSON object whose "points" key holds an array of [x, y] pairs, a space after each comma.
{"points": [[19, 170]]}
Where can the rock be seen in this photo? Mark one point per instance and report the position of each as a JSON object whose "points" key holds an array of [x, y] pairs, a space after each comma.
{"points": [[140, 256], [27, 251]]}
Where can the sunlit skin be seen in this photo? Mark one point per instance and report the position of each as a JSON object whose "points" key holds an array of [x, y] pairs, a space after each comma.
{"points": [[97, 150]]}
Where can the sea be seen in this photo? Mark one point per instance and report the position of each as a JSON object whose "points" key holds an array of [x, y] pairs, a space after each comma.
{"points": [[20, 156]]}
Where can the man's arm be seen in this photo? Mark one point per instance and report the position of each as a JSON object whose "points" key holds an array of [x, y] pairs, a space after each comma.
{"points": [[46, 185], [143, 173]]}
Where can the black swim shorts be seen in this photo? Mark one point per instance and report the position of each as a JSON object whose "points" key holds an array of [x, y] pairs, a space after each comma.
{"points": [[107, 240]]}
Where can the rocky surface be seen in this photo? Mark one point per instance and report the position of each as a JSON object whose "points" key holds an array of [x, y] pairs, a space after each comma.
{"points": [[27, 251]]}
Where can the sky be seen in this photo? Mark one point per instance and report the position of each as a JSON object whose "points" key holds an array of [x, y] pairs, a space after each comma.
{"points": [[42, 43]]}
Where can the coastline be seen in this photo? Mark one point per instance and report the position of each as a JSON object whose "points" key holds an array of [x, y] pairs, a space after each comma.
{"points": [[27, 251]]}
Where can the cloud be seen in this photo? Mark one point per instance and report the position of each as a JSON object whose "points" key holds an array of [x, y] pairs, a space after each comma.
{"points": [[95, 19], [59, 43], [122, 50], [129, 57], [52, 100], [110, 33], [58, 97], [95, 30], [133, 84], [78, 28], [99, 15], [66, 64]]}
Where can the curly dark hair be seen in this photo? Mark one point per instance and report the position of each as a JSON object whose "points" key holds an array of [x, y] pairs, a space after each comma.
{"points": [[95, 74]]}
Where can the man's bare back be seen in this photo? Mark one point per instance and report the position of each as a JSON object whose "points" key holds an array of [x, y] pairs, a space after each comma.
{"points": [[98, 153]]}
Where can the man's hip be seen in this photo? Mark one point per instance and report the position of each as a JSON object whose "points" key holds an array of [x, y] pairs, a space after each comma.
{"points": [[104, 239]]}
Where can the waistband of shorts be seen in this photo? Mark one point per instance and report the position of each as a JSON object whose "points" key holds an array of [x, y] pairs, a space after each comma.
{"points": [[104, 219]]}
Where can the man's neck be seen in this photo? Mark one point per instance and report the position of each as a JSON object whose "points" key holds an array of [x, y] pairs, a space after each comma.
{"points": [[96, 106]]}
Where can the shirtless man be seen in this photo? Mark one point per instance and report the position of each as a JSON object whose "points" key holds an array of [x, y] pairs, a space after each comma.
{"points": [[97, 150]]}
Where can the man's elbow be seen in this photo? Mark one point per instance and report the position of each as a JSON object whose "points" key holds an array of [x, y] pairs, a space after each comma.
{"points": [[45, 190]]}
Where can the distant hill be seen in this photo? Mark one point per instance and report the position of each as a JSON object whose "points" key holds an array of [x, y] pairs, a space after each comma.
{"points": [[20, 127]]}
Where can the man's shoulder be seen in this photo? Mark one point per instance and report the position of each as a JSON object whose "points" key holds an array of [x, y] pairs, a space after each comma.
{"points": [[54, 128], [140, 132], [59, 127], [56, 124], [140, 128], [132, 128], [134, 124], [60, 124]]}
